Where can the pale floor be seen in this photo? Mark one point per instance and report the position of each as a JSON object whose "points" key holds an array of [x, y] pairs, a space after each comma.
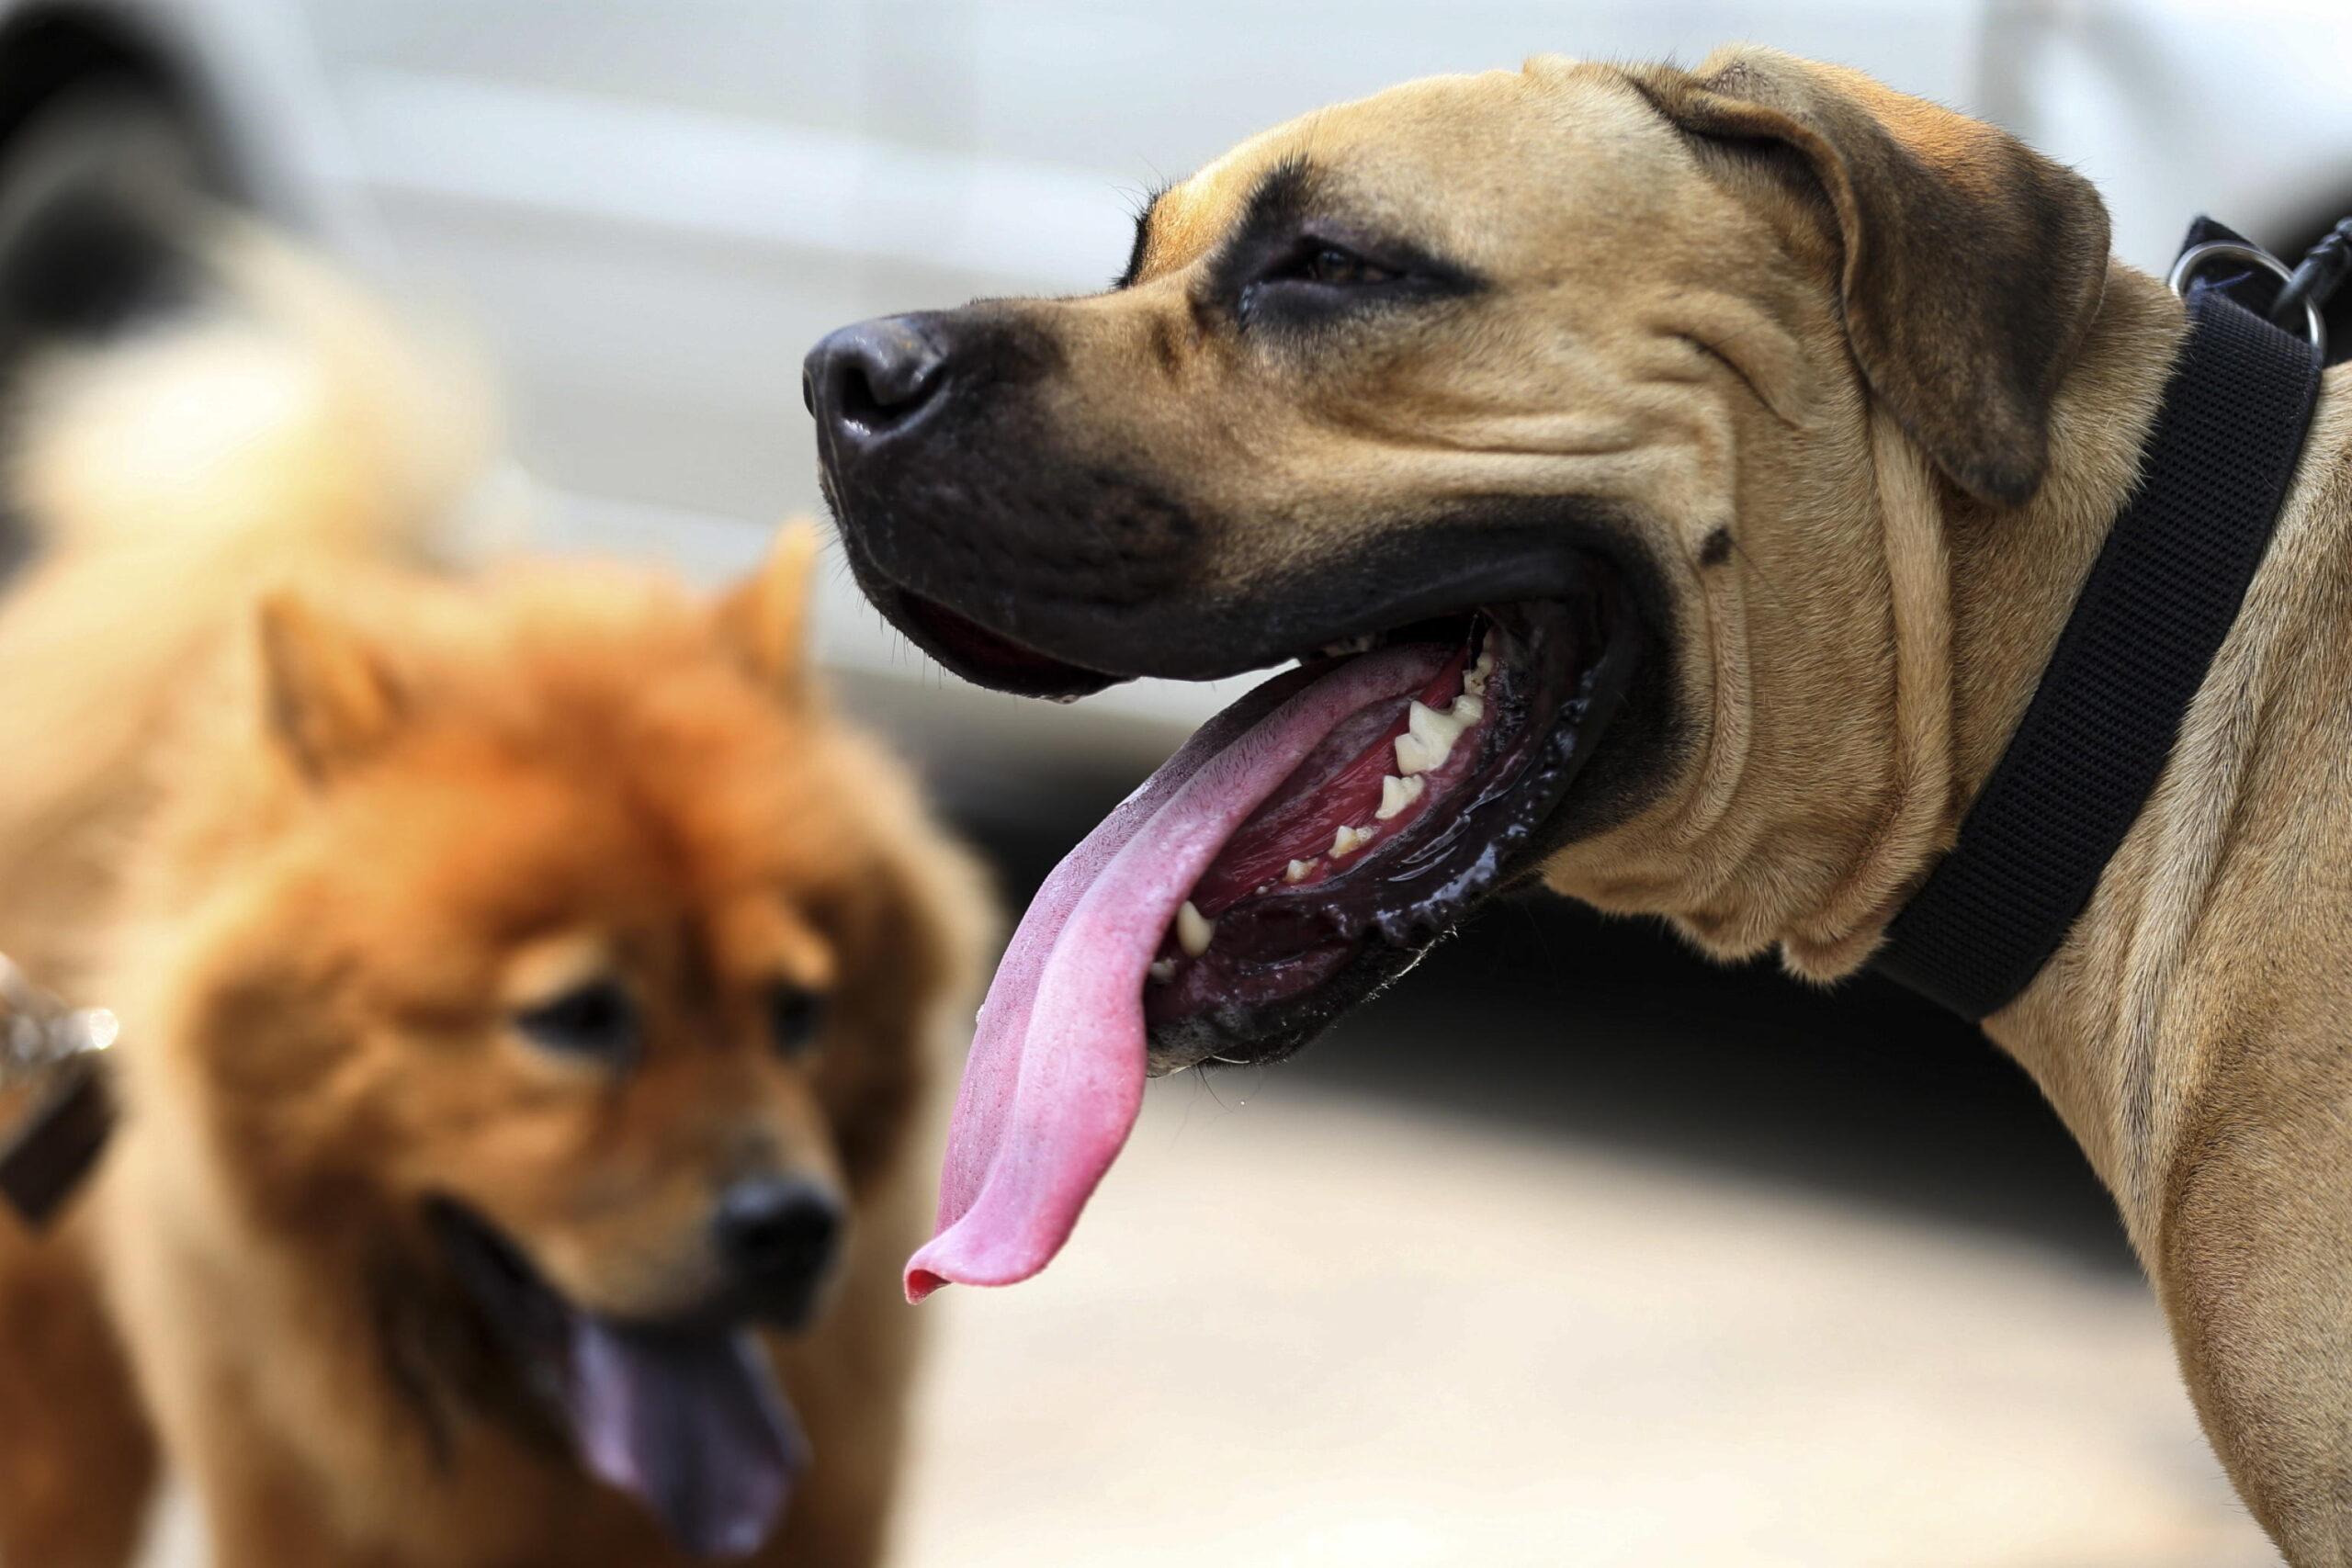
{"points": [[1310, 1328], [1314, 1330]]}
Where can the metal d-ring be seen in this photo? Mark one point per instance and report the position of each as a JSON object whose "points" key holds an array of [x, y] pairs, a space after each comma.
{"points": [[2195, 258]]}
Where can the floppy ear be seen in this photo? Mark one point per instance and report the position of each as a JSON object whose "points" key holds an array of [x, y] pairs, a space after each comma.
{"points": [[330, 699], [1972, 266], [764, 619]]}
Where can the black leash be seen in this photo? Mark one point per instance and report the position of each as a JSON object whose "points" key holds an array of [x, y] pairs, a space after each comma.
{"points": [[2163, 593], [58, 1054], [2320, 274]]}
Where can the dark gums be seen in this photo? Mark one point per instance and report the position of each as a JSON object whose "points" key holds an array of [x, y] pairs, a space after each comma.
{"points": [[1289, 961]]}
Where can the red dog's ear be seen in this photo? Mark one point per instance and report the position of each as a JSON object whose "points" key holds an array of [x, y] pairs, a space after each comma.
{"points": [[330, 699], [1972, 264], [764, 619]]}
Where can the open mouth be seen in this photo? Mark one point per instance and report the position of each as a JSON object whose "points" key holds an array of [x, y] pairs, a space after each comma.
{"points": [[687, 1419], [1301, 850], [1440, 764]]}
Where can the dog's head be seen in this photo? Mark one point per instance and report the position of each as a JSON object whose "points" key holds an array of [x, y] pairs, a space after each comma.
{"points": [[555, 952], [1588, 384]]}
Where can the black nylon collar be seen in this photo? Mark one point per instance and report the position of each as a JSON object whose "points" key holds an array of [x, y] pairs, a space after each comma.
{"points": [[2163, 593]]}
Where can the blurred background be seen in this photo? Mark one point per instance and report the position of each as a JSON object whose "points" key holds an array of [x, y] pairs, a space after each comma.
{"points": [[1573, 1250]]}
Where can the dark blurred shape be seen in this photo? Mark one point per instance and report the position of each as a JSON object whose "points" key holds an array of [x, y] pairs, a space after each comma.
{"points": [[2289, 245], [85, 261], [89, 103], [779, 1235]]}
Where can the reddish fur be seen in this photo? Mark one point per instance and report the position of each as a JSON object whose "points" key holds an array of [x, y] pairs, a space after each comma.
{"points": [[323, 872]]}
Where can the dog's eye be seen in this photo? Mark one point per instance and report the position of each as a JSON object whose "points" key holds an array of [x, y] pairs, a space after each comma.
{"points": [[1316, 275], [1334, 267], [1308, 279], [795, 1016], [596, 1020]]}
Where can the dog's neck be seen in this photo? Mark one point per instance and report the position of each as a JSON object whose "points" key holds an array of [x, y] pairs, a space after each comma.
{"points": [[2014, 575], [1812, 836], [2093, 1029], [2124, 1027], [2013, 578], [1869, 654], [1978, 596]]}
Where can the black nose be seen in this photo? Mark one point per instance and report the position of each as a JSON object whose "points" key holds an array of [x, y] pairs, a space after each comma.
{"points": [[777, 1235], [873, 379]]}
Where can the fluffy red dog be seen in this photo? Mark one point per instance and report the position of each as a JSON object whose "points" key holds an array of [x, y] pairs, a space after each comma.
{"points": [[528, 990]]}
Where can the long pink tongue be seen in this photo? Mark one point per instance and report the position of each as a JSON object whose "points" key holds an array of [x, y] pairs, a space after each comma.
{"points": [[1056, 1070]]}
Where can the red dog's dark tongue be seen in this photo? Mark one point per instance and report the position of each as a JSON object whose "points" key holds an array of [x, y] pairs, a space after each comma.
{"points": [[693, 1426], [1056, 1070]]}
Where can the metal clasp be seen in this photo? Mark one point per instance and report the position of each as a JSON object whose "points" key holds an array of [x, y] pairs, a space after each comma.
{"points": [[39, 1033], [2197, 257]]}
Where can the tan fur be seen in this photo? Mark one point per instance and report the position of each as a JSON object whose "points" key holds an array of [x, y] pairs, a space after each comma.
{"points": [[1858, 376], [315, 843]]}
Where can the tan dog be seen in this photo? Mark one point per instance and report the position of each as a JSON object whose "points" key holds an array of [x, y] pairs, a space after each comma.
{"points": [[1748, 431], [523, 981]]}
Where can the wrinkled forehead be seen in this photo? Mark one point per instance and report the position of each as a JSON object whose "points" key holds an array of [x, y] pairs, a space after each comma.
{"points": [[1438, 158]]}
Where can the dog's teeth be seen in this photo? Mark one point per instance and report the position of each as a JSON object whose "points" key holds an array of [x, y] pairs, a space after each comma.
{"points": [[1396, 793], [1437, 730], [1299, 870], [1414, 756], [1194, 930], [1351, 645], [1474, 682], [1429, 736], [1348, 841], [1162, 970]]}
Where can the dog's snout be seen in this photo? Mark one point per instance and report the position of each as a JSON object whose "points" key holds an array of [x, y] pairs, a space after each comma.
{"points": [[873, 379], [777, 1235]]}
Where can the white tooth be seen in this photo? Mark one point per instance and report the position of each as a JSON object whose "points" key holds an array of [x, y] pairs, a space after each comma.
{"points": [[1415, 755], [1436, 732], [1436, 728], [1396, 793], [1298, 871], [1163, 970], [1468, 710], [1348, 841], [1194, 930]]}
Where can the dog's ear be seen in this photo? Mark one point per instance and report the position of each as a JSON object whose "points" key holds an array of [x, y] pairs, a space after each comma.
{"points": [[1972, 265], [330, 699], [764, 620]]}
